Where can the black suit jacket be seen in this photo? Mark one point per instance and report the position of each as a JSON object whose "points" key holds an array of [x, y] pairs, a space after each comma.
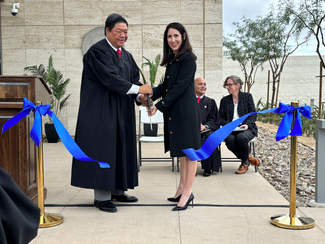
{"points": [[245, 106]]}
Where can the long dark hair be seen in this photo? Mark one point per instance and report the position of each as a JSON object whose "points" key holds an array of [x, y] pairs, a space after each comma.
{"points": [[168, 55]]}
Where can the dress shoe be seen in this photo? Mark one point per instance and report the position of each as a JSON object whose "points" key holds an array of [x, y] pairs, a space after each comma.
{"points": [[253, 161], [190, 199], [207, 173], [106, 206], [124, 198], [242, 169], [172, 199]]}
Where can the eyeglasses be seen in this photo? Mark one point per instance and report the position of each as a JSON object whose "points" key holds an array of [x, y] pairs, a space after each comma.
{"points": [[229, 85]]}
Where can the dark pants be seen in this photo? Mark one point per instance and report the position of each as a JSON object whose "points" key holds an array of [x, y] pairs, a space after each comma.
{"points": [[237, 142]]}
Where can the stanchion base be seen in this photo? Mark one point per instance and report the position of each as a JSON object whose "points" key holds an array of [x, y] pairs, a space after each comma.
{"points": [[284, 221], [50, 219]]}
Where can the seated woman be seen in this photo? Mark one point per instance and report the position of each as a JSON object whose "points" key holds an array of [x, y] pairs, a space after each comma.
{"points": [[233, 106]]}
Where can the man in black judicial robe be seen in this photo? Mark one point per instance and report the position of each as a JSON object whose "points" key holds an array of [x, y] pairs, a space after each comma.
{"points": [[105, 128], [209, 124]]}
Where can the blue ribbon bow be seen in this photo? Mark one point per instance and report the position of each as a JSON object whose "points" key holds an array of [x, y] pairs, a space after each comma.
{"points": [[36, 131], [214, 140]]}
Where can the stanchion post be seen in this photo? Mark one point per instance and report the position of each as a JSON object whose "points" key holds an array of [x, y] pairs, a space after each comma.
{"points": [[46, 219], [293, 171], [292, 221]]}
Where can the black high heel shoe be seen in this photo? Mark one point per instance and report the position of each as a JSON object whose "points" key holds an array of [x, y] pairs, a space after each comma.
{"points": [[190, 199], [171, 199]]}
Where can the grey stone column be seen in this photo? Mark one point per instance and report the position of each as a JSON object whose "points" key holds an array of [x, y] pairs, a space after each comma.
{"points": [[320, 165]]}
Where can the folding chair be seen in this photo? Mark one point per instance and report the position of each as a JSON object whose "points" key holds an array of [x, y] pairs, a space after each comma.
{"points": [[155, 119], [251, 147]]}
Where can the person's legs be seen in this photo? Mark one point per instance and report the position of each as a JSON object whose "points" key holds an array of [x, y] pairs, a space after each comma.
{"points": [[103, 201], [101, 195], [190, 171], [242, 140], [182, 177], [206, 164], [231, 143]]}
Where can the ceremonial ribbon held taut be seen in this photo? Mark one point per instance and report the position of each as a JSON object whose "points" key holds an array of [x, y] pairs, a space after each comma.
{"points": [[36, 131], [214, 140]]}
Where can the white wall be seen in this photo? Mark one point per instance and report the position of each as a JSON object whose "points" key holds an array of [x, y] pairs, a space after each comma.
{"points": [[298, 80]]}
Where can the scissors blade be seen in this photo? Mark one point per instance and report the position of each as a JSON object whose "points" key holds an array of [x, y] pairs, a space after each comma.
{"points": [[149, 109]]}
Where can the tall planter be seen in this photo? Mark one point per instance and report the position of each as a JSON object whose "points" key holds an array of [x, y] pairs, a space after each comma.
{"points": [[51, 134], [147, 129]]}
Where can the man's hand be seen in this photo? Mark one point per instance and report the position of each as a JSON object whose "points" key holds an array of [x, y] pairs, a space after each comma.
{"points": [[143, 100], [145, 89]]}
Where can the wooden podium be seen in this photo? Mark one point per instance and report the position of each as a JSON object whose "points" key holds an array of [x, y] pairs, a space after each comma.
{"points": [[17, 149]]}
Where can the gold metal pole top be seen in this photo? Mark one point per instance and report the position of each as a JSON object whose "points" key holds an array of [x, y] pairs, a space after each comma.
{"points": [[295, 104]]}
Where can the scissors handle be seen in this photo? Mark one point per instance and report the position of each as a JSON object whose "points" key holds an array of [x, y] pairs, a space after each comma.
{"points": [[148, 100]]}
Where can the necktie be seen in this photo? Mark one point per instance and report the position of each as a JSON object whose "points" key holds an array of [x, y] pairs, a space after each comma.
{"points": [[198, 99], [119, 52]]}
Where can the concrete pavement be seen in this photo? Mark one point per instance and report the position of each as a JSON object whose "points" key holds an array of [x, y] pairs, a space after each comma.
{"points": [[228, 208]]}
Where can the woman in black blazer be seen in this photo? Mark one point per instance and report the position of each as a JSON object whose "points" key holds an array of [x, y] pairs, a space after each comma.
{"points": [[180, 107], [233, 106]]}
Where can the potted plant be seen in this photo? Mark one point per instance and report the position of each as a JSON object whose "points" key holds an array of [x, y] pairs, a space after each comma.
{"points": [[153, 68], [58, 98]]}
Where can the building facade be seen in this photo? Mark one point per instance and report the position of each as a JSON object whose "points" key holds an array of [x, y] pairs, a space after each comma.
{"points": [[60, 27]]}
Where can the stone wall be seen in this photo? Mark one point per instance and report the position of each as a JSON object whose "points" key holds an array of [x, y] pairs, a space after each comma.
{"points": [[58, 27]]}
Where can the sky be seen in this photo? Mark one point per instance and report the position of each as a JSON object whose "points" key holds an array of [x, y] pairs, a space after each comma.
{"points": [[234, 10]]}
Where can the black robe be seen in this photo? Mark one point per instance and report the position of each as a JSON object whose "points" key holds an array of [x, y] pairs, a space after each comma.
{"points": [[19, 216], [210, 117], [105, 128]]}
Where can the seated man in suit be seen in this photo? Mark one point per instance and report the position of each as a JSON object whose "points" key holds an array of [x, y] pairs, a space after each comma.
{"points": [[209, 124]]}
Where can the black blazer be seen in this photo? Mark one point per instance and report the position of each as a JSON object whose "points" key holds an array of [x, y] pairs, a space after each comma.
{"points": [[245, 106]]}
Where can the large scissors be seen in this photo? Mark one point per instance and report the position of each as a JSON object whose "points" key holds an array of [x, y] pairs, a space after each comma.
{"points": [[149, 110]]}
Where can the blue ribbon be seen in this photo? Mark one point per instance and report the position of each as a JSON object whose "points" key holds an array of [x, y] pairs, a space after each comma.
{"points": [[36, 131], [214, 140]]}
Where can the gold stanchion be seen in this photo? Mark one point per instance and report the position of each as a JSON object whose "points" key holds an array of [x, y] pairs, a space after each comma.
{"points": [[291, 220], [46, 219]]}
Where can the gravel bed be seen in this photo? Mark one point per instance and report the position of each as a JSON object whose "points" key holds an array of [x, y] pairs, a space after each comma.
{"points": [[275, 165]]}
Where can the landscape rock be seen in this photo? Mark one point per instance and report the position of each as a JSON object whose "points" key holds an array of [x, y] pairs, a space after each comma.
{"points": [[275, 165]]}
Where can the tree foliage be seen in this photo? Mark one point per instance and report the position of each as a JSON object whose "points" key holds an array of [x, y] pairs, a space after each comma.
{"points": [[246, 47], [283, 39], [309, 15], [273, 38]]}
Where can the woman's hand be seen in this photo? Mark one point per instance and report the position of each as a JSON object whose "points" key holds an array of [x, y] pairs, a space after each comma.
{"points": [[244, 126], [203, 127], [153, 110]]}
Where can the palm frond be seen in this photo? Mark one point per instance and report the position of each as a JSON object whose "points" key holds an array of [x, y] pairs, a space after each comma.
{"points": [[56, 82]]}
